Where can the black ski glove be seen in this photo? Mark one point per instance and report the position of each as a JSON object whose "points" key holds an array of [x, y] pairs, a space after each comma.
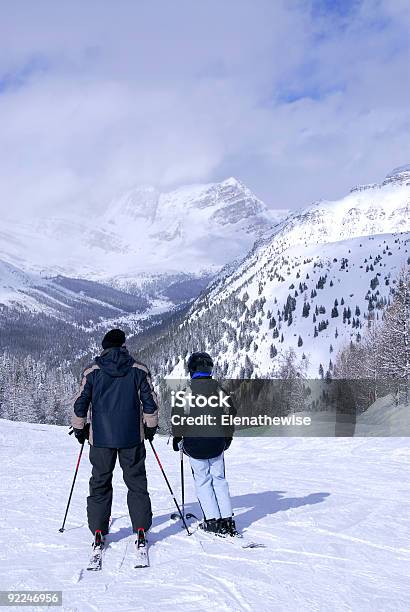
{"points": [[82, 434], [149, 432], [175, 443], [228, 442]]}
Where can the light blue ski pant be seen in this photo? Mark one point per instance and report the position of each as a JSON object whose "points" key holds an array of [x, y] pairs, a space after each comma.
{"points": [[211, 487]]}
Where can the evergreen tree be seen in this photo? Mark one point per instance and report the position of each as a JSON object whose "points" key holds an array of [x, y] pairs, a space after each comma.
{"points": [[306, 309]]}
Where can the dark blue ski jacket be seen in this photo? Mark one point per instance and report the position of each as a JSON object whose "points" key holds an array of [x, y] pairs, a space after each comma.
{"points": [[117, 397], [203, 442]]}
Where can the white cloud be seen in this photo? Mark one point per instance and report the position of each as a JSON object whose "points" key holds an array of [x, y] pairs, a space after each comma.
{"points": [[96, 97]]}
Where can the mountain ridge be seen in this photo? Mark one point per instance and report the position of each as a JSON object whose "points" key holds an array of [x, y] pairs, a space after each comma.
{"points": [[196, 229], [360, 241]]}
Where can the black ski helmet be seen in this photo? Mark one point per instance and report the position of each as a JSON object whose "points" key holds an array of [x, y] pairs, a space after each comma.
{"points": [[200, 362]]}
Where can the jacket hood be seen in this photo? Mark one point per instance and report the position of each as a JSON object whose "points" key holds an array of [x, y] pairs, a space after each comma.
{"points": [[115, 361]]}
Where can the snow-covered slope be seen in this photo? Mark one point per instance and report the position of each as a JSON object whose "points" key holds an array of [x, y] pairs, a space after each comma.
{"points": [[191, 230], [367, 210], [385, 417], [335, 529], [342, 255], [14, 283], [72, 300]]}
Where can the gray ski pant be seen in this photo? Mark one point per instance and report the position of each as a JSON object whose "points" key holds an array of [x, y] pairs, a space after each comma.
{"points": [[132, 462]]}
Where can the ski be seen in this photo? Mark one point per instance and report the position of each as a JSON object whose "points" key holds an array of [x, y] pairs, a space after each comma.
{"points": [[95, 563], [238, 540], [141, 550], [253, 545], [231, 542]]}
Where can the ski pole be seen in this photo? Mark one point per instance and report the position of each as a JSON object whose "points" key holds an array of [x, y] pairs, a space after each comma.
{"points": [[72, 486], [182, 482], [169, 487], [188, 515]]}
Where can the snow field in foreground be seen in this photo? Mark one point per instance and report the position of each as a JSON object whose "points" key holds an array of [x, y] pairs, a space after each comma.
{"points": [[333, 513]]}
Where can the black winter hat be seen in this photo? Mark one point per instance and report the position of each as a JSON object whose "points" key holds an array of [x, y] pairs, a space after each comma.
{"points": [[115, 337], [200, 362]]}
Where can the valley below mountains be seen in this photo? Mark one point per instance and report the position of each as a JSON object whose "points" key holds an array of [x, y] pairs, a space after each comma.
{"points": [[206, 267]]}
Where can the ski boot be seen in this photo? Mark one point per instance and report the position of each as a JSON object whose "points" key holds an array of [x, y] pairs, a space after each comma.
{"points": [[141, 541], [228, 527], [141, 549], [99, 541], [210, 526], [95, 562]]}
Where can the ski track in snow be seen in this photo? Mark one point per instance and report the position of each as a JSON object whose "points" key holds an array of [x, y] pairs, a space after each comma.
{"points": [[333, 513]]}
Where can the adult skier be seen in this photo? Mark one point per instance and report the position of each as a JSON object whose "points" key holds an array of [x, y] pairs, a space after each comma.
{"points": [[115, 409], [205, 445]]}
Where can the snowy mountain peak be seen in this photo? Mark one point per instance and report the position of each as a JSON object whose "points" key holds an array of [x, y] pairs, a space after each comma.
{"points": [[233, 182], [400, 170], [146, 231], [398, 176]]}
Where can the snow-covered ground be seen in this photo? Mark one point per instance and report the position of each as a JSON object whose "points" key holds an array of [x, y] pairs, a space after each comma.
{"points": [[334, 515], [320, 264]]}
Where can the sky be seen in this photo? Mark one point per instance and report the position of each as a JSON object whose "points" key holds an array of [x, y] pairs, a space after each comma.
{"points": [[299, 99]]}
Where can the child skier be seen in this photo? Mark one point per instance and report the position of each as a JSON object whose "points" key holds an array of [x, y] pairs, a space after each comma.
{"points": [[205, 448]]}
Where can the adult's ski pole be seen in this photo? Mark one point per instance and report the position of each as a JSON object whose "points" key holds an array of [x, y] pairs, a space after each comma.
{"points": [[169, 487], [72, 486]]}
